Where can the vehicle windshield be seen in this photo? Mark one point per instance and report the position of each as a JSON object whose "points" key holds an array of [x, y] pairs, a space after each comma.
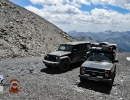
{"points": [[99, 58], [65, 47]]}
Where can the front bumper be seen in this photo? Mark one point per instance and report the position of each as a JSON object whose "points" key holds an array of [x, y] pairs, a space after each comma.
{"points": [[51, 63], [95, 78]]}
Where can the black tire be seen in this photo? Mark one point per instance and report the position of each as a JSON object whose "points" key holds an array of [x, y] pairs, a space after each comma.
{"points": [[48, 66], [65, 65], [82, 80]]}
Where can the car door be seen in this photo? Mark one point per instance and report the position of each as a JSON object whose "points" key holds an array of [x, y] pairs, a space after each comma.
{"points": [[83, 50]]}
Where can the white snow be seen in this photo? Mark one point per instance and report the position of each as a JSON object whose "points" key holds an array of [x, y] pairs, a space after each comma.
{"points": [[128, 58], [1, 89]]}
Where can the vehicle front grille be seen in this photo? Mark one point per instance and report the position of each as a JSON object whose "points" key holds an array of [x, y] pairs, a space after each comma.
{"points": [[94, 72], [51, 58]]}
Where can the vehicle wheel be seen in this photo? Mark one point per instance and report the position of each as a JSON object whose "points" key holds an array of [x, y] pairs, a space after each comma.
{"points": [[48, 66], [82, 80], [65, 65]]}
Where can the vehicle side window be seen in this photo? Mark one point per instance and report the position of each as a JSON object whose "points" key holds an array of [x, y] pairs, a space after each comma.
{"points": [[83, 46], [62, 47], [69, 47]]}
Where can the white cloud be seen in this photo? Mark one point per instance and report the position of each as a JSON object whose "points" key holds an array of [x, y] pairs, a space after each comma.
{"points": [[68, 16], [120, 3], [55, 2], [47, 2], [86, 2]]}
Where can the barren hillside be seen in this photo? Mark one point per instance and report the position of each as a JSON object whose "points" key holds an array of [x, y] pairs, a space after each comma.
{"points": [[25, 34]]}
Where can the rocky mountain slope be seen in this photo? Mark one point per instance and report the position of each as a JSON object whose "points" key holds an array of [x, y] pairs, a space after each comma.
{"points": [[120, 38], [123, 42], [25, 34]]}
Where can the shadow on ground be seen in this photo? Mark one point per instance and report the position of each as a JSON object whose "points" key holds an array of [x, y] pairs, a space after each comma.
{"points": [[96, 86], [55, 70]]}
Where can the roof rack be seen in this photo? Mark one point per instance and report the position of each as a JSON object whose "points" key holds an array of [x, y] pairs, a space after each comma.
{"points": [[104, 46]]}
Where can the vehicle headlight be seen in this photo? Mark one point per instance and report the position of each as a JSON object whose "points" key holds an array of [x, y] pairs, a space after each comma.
{"points": [[46, 57], [82, 72], [57, 58], [106, 75]]}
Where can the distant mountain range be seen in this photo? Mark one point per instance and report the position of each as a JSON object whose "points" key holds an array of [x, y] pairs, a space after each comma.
{"points": [[122, 39], [85, 38]]}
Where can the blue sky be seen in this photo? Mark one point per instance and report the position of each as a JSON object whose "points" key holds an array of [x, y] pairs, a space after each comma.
{"points": [[24, 3], [82, 15]]}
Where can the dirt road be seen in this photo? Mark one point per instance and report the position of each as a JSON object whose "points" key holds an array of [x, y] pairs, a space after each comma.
{"points": [[39, 83]]}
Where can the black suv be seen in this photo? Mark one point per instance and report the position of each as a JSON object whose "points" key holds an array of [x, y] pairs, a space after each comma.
{"points": [[66, 54]]}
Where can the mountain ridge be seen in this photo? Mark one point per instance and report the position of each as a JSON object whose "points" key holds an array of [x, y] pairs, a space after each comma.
{"points": [[120, 38]]}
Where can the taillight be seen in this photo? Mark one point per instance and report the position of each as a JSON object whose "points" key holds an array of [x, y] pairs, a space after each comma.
{"points": [[82, 68], [108, 71]]}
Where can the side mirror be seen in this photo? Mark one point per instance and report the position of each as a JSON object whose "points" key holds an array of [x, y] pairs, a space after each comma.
{"points": [[116, 61]]}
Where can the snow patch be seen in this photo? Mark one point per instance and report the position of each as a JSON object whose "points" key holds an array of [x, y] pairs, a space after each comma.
{"points": [[78, 89], [128, 58]]}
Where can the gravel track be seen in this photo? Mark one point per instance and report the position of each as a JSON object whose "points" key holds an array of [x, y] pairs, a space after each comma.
{"points": [[39, 83]]}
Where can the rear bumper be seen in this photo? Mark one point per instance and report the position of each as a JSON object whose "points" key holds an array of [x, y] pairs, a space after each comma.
{"points": [[51, 63], [95, 78]]}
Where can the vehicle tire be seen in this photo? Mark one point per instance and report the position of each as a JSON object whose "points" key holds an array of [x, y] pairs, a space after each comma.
{"points": [[48, 66], [82, 80], [65, 65]]}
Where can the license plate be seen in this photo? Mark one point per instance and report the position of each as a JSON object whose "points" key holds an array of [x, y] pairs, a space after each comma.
{"points": [[93, 78]]}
